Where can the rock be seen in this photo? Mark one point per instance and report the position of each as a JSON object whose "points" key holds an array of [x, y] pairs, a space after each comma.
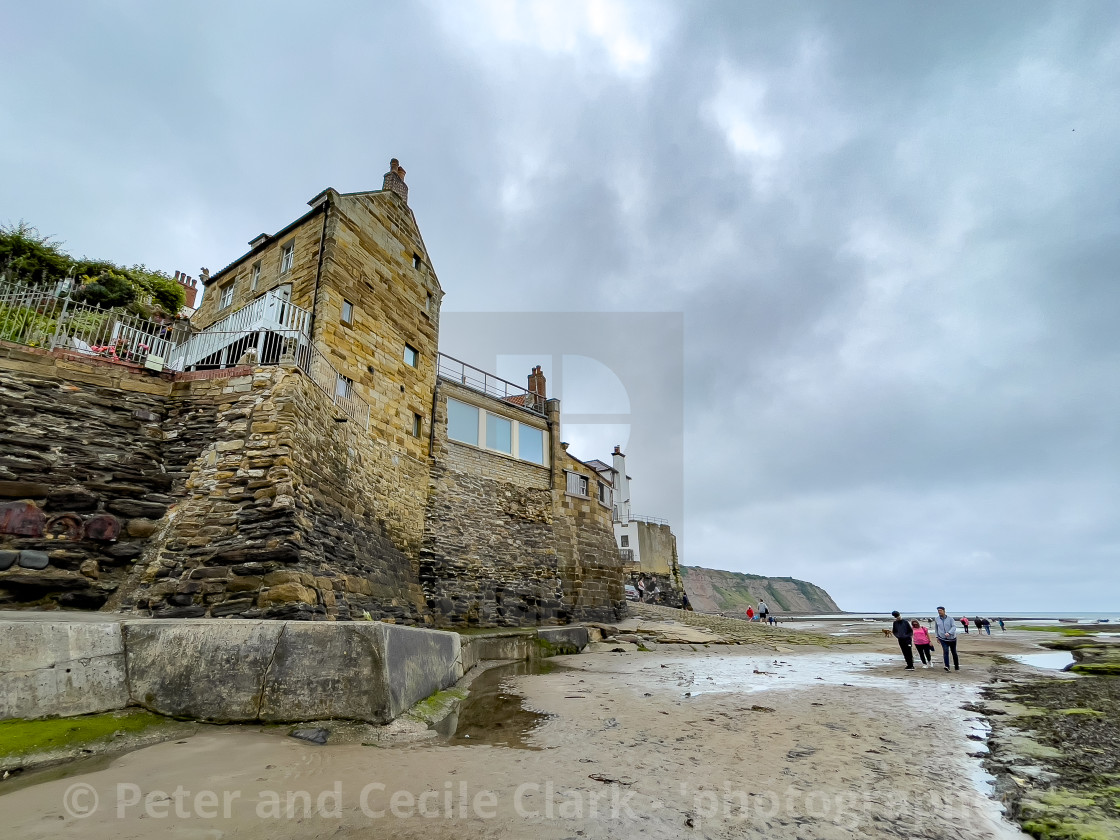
{"points": [[314, 736], [72, 497], [34, 559], [90, 569], [142, 527], [134, 508], [611, 647], [287, 593], [102, 528], [7, 558], [22, 519], [23, 489]]}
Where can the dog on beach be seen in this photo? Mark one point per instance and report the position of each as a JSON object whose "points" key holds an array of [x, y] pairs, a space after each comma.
{"points": [[887, 632]]}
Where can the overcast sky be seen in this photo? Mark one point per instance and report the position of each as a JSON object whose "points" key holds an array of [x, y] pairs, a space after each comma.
{"points": [[892, 228]]}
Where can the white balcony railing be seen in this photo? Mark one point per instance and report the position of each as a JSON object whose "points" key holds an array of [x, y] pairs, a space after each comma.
{"points": [[269, 313]]}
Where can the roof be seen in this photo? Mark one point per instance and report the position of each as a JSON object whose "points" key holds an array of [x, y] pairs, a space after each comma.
{"points": [[599, 466]]}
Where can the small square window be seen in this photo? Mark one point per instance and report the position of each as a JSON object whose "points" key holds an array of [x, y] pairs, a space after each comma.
{"points": [[287, 256], [227, 296], [417, 425], [416, 261], [411, 356], [347, 312], [256, 272]]}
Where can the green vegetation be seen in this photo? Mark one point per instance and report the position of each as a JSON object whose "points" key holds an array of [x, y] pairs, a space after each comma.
{"points": [[23, 738], [26, 256]]}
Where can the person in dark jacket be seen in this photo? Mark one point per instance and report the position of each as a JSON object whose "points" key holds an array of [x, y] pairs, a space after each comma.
{"points": [[905, 635]]}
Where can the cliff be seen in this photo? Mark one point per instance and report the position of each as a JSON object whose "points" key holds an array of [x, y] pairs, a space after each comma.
{"points": [[713, 590]]}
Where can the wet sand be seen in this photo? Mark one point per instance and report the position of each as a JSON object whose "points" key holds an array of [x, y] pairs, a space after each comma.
{"points": [[716, 742]]}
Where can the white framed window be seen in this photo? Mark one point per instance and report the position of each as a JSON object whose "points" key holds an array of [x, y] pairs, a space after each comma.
{"points": [[287, 256], [625, 541], [499, 433], [255, 273], [411, 356], [343, 387], [604, 494], [347, 312], [577, 484], [462, 422], [226, 299], [530, 444]]}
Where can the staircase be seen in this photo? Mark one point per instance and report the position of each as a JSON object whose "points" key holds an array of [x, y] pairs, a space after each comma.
{"points": [[271, 325]]}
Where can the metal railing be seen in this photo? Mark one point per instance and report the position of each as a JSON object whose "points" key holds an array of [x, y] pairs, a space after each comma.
{"points": [[652, 520], [627, 555], [50, 318], [268, 313], [53, 320], [461, 373]]}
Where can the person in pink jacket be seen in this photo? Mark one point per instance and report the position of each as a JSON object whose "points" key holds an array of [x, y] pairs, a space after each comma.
{"points": [[923, 644]]}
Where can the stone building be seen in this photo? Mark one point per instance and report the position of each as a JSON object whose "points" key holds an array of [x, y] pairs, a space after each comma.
{"points": [[304, 453]]}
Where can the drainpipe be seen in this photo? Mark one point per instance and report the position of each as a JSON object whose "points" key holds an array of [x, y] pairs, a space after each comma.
{"points": [[432, 422], [319, 271]]}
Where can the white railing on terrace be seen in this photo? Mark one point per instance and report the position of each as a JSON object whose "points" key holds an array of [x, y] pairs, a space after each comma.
{"points": [[50, 318], [476, 379], [652, 520]]}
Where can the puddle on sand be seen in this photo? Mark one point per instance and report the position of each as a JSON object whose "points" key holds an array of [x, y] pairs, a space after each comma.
{"points": [[1057, 660], [493, 715], [72, 767]]}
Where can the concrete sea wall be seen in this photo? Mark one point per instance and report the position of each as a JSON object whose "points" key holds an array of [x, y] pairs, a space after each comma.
{"points": [[56, 664]]}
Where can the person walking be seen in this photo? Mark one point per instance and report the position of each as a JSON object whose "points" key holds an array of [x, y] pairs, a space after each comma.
{"points": [[946, 630], [763, 612], [964, 621], [750, 613], [1001, 627], [987, 625], [905, 635], [922, 643]]}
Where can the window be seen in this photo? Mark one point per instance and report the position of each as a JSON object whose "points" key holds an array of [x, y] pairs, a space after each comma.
{"points": [[428, 303], [227, 296], [462, 422], [604, 494], [347, 312], [625, 541], [499, 434], [411, 356], [287, 256], [417, 425], [530, 444], [577, 484], [416, 261], [256, 274], [343, 387]]}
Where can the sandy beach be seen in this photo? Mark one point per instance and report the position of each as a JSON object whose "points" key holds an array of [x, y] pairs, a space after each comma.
{"points": [[717, 741]]}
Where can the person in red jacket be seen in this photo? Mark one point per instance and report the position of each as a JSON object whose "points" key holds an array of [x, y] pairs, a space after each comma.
{"points": [[750, 613]]}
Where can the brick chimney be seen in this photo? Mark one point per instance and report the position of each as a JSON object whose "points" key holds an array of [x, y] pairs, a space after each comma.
{"points": [[189, 287], [537, 383], [394, 180]]}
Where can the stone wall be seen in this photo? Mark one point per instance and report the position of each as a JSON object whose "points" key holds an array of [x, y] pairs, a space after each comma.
{"points": [[504, 545], [85, 474], [659, 571], [279, 518]]}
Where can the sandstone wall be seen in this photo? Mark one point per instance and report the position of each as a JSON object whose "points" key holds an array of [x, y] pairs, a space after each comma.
{"points": [[280, 518], [489, 556]]}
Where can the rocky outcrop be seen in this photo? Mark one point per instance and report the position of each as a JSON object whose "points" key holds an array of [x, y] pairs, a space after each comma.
{"points": [[714, 590]]}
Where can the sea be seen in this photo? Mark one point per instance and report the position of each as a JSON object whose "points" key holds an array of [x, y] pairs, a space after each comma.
{"points": [[1041, 617]]}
